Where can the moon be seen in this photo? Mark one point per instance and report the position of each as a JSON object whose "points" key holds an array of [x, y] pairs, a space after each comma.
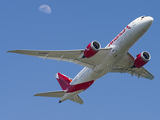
{"points": [[45, 9]]}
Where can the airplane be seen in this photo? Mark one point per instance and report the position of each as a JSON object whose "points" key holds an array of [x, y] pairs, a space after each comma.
{"points": [[98, 61]]}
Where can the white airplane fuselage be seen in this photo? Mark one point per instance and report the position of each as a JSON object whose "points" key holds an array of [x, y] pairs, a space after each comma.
{"points": [[119, 48]]}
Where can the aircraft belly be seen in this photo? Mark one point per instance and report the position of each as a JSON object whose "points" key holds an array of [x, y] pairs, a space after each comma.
{"points": [[108, 63], [82, 77]]}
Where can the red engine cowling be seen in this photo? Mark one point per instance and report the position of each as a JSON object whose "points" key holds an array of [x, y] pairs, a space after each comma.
{"points": [[91, 49], [142, 59]]}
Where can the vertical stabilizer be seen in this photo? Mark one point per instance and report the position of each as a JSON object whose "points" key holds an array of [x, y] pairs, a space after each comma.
{"points": [[63, 80]]}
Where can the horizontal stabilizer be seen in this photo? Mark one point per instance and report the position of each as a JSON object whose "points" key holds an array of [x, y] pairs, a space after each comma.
{"points": [[51, 94], [77, 99], [60, 94]]}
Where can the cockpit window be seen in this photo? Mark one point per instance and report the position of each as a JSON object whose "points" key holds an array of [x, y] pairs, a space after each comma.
{"points": [[143, 16]]}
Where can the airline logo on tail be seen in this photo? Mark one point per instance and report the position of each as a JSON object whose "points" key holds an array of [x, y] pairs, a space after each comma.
{"points": [[63, 80]]}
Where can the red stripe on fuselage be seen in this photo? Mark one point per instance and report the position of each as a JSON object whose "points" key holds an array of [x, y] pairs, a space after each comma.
{"points": [[81, 86]]}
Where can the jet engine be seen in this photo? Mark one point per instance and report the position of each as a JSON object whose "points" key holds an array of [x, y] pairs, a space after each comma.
{"points": [[142, 59], [91, 49]]}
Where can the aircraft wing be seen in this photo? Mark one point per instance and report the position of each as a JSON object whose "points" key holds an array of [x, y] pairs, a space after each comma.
{"points": [[67, 55], [124, 66]]}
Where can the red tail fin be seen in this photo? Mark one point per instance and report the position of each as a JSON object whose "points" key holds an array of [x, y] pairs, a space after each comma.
{"points": [[63, 80]]}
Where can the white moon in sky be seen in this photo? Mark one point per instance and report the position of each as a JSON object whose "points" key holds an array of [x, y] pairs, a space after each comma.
{"points": [[45, 9]]}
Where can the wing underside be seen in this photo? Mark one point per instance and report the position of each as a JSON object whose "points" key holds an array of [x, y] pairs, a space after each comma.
{"points": [[125, 66], [66, 55]]}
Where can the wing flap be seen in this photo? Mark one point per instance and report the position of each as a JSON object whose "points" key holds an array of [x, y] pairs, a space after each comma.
{"points": [[139, 72]]}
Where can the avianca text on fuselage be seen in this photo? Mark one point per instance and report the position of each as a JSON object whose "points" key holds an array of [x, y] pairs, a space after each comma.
{"points": [[121, 33], [99, 61]]}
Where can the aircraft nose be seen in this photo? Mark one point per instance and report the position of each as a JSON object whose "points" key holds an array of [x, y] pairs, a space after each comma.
{"points": [[146, 22], [149, 20]]}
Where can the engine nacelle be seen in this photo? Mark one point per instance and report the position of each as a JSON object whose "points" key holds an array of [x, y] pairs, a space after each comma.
{"points": [[91, 49], [142, 59]]}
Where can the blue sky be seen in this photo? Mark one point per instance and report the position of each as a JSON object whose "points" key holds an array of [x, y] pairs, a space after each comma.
{"points": [[73, 24]]}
